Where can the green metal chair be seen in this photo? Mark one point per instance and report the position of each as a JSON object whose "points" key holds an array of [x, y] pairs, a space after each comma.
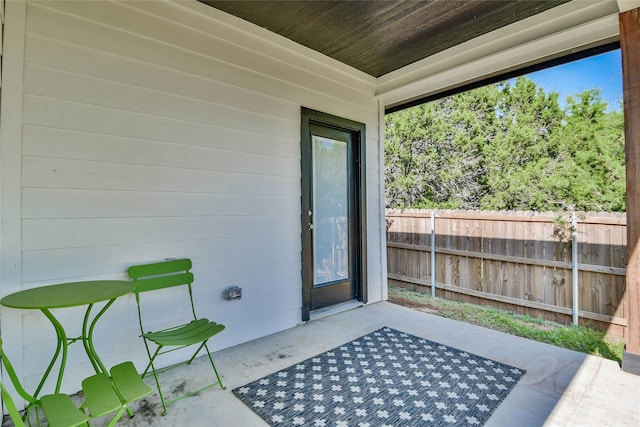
{"points": [[103, 395], [196, 332], [58, 409], [128, 383]]}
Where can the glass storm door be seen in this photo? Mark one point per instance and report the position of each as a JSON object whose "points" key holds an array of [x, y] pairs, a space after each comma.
{"points": [[330, 218], [333, 214], [332, 222]]}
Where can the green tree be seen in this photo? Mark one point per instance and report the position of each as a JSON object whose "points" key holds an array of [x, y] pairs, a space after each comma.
{"points": [[522, 146], [588, 172], [434, 151], [507, 147]]}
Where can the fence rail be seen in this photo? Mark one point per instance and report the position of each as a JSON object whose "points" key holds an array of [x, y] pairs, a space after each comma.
{"points": [[515, 260]]}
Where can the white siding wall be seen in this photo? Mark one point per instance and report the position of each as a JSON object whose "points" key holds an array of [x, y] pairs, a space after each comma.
{"points": [[152, 130]]}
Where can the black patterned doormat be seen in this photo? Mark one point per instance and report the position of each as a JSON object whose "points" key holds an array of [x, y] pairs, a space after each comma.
{"points": [[385, 378]]}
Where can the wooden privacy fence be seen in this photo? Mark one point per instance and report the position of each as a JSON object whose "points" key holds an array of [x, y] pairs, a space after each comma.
{"points": [[520, 261]]}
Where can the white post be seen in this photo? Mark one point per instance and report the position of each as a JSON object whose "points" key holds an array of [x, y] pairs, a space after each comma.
{"points": [[574, 266], [433, 253]]}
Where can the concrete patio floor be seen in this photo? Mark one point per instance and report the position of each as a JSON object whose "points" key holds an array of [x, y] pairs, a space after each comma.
{"points": [[561, 387]]}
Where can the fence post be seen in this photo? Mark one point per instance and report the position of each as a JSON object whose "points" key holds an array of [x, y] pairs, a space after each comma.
{"points": [[433, 253], [574, 266]]}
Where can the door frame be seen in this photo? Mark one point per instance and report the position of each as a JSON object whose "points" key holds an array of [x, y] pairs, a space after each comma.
{"points": [[358, 132]]}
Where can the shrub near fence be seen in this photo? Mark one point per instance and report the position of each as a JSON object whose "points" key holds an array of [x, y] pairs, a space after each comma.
{"points": [[518, 261]]}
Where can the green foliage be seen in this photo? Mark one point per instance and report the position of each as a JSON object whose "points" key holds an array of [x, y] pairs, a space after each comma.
{"points": [[507, 147]]}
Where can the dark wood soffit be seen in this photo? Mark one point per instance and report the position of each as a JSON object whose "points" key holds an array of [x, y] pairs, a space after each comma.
{"points": [[378, 37]]}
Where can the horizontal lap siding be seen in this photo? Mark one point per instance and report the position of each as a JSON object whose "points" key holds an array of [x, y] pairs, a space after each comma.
{"points": [[155, 130]]}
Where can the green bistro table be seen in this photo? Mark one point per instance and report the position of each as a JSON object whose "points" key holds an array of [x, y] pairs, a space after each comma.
{"points": [[65, 295]]}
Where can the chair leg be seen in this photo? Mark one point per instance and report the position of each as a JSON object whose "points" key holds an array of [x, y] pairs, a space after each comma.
{"points": [[214, 367], [155, 375], [204, 344], [27, 414], [164, 404], [146, 370], [151, 358], [151, 367], [117, 416]]}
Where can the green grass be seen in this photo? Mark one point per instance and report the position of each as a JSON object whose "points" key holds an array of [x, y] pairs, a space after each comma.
{"points": [[578, 338]]}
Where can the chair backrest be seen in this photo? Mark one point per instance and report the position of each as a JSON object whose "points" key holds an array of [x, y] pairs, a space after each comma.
{"points": [[160, 275], [6, 396]]}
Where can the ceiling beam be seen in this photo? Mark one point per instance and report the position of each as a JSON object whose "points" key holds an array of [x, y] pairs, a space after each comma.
{"points": [[560, 31]]}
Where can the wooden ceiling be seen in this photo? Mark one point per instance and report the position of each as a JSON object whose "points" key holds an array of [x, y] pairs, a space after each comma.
{"points": [[380, 36]]}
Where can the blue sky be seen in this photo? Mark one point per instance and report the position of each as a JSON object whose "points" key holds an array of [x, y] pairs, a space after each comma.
{"points": [[602, 71]]}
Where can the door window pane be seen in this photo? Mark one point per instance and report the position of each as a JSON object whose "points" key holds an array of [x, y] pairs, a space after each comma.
{"points": [[330, 210]]}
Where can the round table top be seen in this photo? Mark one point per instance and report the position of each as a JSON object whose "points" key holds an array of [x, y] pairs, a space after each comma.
{"points": [[68, 294]]}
